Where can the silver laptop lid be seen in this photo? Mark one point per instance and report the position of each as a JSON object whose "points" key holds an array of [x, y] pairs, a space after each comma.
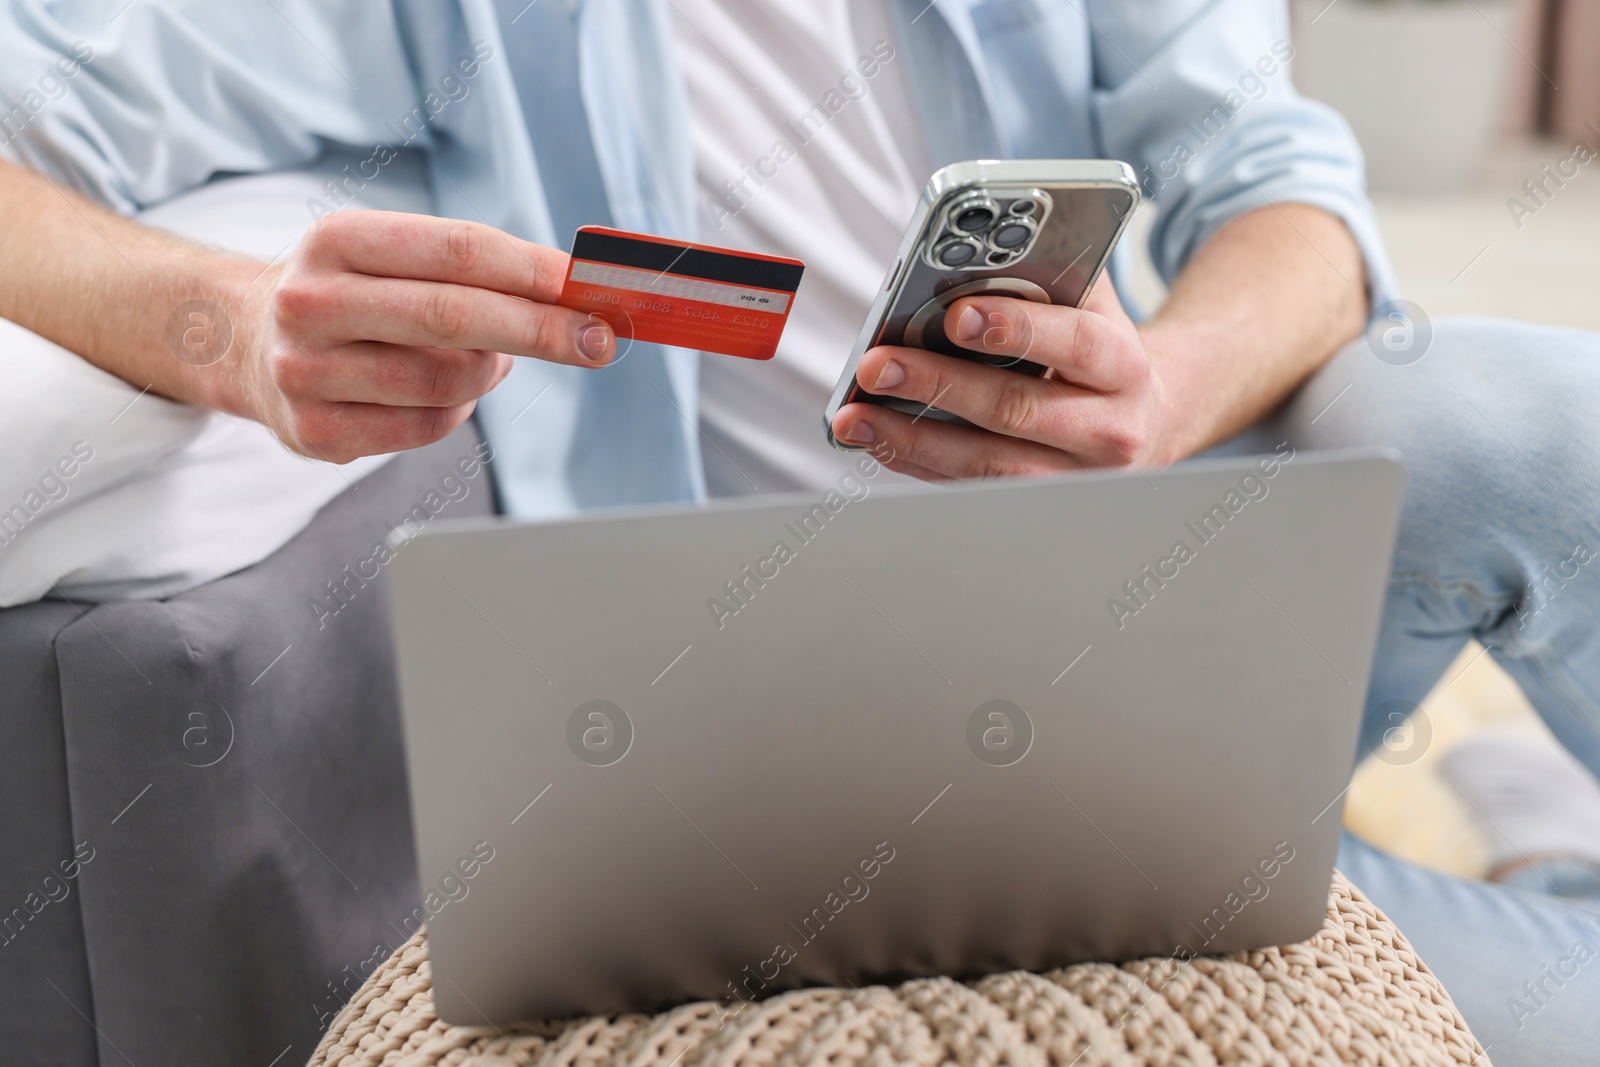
{"points": [[716, 753]]}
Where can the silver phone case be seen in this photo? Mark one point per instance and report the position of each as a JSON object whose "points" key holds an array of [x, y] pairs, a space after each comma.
{"points": [[914, 282]]}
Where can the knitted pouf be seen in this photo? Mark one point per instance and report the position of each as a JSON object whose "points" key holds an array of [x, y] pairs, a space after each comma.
{"points": [[1354, 993]]}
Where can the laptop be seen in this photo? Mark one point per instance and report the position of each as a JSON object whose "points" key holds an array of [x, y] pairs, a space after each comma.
{"points": [[714, 753]]}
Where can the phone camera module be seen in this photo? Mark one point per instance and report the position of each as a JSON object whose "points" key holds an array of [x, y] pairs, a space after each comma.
{"points": [[988, 228], [954, 252]]}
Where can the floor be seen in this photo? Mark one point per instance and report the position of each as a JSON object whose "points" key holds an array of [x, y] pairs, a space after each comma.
{"points": [[1463, 253]]}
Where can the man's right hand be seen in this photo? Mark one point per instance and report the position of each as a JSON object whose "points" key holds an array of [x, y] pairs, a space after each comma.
{"points": [[379, 333], [382, 330]]}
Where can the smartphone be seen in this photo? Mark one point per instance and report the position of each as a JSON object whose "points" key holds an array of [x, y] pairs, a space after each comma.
{"points": [[1038, 230]]}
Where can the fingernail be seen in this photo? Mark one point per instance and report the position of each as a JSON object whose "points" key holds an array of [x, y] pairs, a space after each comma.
{"points": [[592, 343], [861, 433], [969, 324], [890, 376]]}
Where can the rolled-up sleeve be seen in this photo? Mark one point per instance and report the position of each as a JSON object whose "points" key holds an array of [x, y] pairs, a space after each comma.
{"points": [[1197, 95], [134, 101]]}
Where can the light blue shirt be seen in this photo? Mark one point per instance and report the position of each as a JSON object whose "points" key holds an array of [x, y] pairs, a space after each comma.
{"points": [[1193, 93]]}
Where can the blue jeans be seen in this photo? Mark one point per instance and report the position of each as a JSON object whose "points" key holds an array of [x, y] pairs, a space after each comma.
{"points": [[1498, 541]]}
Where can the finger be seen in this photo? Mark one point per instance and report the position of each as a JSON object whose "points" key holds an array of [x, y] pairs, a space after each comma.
{"points": [[945, 449], [393, 375], [900, 466], [1050, 412], [886, 457], [441, 315], [341, 432], [1082, 347], [1103, 301], [390, 244]]}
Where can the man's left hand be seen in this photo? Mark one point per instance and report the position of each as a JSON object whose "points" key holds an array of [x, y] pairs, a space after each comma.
{"points": [[1100, 403]]}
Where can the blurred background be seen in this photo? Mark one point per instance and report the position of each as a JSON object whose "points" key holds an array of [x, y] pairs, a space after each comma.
{"points": [[1458, 104], [1480, 120]]}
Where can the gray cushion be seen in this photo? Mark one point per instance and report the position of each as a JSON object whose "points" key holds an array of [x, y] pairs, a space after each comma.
{"points": [[232, 758]]}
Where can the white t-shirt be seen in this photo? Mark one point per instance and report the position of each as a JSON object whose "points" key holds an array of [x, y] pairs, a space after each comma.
{"points": [[806, 145]]}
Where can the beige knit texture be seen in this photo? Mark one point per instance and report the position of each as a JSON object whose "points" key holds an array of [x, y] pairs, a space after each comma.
{"points": [[1355, 993]]}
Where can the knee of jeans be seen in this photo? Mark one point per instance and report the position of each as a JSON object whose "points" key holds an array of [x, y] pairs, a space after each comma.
{"points": [[1520, 399], [1502, 452], [1494, 421]]}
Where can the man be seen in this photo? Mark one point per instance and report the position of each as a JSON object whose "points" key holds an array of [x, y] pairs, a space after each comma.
{"points": [[384, 332]]}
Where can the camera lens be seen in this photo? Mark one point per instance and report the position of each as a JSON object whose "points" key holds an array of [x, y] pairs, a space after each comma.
{"points": [[956, 252], [1011, 235], [972, 214], [973, 219], [1024, 207]]}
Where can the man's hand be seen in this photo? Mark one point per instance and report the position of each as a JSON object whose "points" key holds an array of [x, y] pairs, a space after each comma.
{"points": [[379, 334], [1261, 305], [1099, 403], [383, 330]]}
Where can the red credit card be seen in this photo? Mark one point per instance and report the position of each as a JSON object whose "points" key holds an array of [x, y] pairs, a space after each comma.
{"points": [[675, 293]]}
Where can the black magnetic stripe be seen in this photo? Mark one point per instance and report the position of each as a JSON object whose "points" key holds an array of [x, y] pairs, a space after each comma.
{"points": [[693, 262]]}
